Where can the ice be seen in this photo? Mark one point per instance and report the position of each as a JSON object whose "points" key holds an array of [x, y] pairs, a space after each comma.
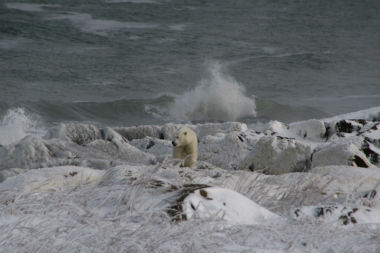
{"points": [[310, 186]]}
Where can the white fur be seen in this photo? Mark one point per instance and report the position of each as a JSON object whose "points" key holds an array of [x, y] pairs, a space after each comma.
{"points": [[185, 146]]}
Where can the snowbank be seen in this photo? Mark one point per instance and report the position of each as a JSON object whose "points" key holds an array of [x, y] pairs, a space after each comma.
{"points": [[218, 203], [309, 186], [136, 208]]}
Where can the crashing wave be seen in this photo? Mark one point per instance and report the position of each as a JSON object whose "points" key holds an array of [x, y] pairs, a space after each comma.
{"points": [[218, 97]]}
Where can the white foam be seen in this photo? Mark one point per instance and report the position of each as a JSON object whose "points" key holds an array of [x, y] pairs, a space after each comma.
{"points": [[9, 44], [218, 97], [87, 23], [367, 114], [15, 125], [178, 27], [29, 7], [132, 1]]}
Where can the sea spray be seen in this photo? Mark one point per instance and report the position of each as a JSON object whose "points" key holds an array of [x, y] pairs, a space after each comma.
{"points": [[217, 97], [16, 124]]}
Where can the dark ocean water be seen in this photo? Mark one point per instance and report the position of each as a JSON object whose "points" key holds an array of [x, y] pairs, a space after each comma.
{"points": [[136, 62]]}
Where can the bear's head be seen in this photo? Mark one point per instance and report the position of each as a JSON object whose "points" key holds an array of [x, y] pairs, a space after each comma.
{"points": [[182, 138]]}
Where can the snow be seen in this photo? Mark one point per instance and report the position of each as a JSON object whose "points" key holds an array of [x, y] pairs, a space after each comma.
{"points": [[340, 154], [310, 186], [218, 203], [126, 209], [368, 114], [47, 178]]}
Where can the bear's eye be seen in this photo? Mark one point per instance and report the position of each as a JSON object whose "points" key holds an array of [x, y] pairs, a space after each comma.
{"points": [[185, 133]]}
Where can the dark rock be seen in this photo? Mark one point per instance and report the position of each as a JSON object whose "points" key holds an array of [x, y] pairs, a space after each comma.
{"points": [[73, 173], [370, 154], [322, 211], [370, 195], [359, 162], [176, 210], [344, 127], [349, 218], [204, 194], [150, 144]]}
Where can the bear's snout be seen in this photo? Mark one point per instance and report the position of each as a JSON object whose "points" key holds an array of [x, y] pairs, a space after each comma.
{"points": [[173, 143]]}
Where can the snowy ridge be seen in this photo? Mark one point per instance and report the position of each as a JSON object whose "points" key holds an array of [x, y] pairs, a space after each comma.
{"points": [[223, 204], [309, 186], [130, 208]]}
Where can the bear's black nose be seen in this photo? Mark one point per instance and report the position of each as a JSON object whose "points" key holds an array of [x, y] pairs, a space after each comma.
{"points": [[173, 143]]}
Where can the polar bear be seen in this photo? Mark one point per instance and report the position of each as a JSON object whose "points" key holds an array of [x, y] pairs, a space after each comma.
{"points": [[185, 146]]}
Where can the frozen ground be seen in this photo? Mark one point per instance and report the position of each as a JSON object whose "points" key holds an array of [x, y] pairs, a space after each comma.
{"points": [[309, 186]]}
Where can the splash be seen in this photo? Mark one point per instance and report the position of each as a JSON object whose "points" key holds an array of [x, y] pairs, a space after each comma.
{"points": [[15, 125], [218, 97]]}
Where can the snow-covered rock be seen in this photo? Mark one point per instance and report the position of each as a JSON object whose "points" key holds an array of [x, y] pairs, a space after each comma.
{"points": [[161, 149], [363, 209], [34, 152], [213, 203], [116, 209], [72, 144], [313, 130], [371, 114], [212, 128], [277, 155], [63, 178], [340, 154], [226, 150], [169, 130], [123, 192], [140, 132]]}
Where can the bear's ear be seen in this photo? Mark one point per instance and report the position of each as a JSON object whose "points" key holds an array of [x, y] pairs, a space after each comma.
{"points": [[185, 133]]}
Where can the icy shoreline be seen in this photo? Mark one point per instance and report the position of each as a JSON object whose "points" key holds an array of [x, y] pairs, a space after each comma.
{"points": [[310, 186]]}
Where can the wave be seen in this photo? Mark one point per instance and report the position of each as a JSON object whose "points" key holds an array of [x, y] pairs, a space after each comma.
{"points": [[208, 102], [271, 110], [217, 97], [86, 23], [16, 124], [119, 112], [28, 7], [132, 1]]}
